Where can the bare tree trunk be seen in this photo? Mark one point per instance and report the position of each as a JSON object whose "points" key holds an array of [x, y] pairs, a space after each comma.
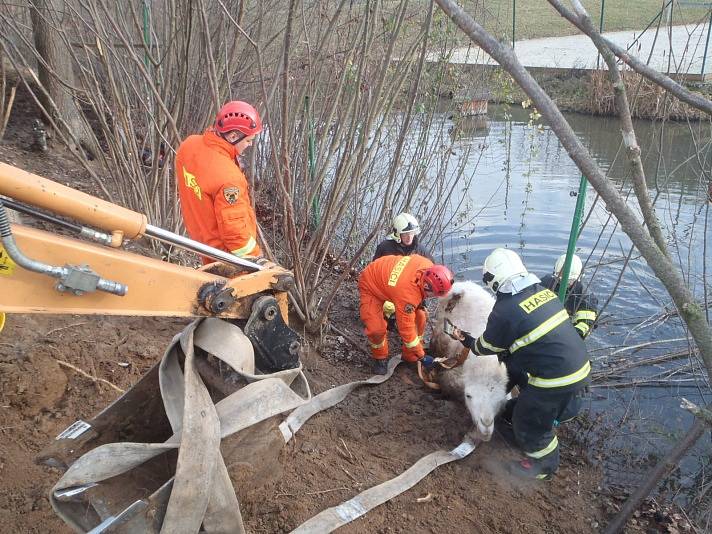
{"points": [[690, 311], [56, 73], [661, 264]]}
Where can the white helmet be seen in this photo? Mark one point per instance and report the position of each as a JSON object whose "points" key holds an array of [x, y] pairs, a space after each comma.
{"points": [[576, 267], [501, 265], [404, 223]]}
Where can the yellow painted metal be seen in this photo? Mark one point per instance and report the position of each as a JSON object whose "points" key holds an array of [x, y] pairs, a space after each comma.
{"points": [[32, 189], [156, 287]]}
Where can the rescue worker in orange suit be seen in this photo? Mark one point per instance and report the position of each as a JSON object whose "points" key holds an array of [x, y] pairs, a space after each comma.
{"points": [[402, 241], [212, 187], [406, 281]]}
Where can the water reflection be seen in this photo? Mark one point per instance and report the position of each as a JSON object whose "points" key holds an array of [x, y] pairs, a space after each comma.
{"points": [[524, 197]]}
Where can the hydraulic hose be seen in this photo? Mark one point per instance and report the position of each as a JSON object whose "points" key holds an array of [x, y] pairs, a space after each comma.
{"points": [[84, 231], [61, 273]]}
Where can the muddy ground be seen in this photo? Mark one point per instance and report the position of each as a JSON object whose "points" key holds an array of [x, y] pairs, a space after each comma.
{"points": [[374, 435]]}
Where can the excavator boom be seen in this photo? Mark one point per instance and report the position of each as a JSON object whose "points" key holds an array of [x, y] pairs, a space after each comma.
{"points": [[42, 272]]}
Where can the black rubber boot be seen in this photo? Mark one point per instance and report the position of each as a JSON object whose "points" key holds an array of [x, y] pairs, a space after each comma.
{"points": [[379, 367], [531, 469]]}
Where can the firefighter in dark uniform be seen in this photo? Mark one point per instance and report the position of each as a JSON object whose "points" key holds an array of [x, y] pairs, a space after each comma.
{"points": [[531, 332], [581, 305], [402, 241]]}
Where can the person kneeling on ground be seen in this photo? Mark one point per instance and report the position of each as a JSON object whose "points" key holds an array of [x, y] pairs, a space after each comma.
{"points": [[402, 241], [581, 305], [531, 332], [406, 281]]}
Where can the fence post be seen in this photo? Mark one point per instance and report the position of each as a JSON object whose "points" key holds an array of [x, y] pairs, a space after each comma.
{"points": [[514, 21]]}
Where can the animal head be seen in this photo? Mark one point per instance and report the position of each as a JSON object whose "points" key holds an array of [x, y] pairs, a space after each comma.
{"points": [[482, 412], [485, 392], [467, 306]]}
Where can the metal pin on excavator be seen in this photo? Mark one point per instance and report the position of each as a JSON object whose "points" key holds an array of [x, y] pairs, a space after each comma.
{"points": [[43, 272]]}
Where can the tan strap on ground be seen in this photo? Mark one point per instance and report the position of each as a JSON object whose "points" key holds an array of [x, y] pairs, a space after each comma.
{"points": [[338, 516], [329, 398], [202, 492]]}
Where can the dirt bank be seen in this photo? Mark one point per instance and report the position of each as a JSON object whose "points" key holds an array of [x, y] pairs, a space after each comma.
{"points": [[372, 436]]}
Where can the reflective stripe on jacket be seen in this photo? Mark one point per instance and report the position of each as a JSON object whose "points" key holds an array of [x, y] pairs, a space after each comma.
{"points": [[533, 328], [396, 279], [581, 305], [214, 195]]}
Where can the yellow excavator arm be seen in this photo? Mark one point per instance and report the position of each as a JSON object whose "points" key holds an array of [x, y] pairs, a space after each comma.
{"points": [[42, 272]]}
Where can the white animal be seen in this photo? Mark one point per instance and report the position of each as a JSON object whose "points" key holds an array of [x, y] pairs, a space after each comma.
{"points": [[481, 382]]}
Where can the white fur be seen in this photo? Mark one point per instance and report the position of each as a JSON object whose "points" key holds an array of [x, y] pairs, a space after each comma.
{"points": [[481, 381]]}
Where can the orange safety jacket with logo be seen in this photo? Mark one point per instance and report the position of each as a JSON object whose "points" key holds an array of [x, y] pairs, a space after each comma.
{"points": [[397, 279], [214, 196]]}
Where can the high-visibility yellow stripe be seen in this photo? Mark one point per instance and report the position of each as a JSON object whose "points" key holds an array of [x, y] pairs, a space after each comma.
{"points": [[411, 344], [244, 251], [192, 183], [583, 327], [398, 270], [378, 345], [551, 447], [2, 321], [489, 346], [540, 331], [561, 381], [585, 315]]}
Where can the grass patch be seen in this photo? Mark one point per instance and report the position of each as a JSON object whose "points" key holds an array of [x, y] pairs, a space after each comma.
{"points": [[536, 18]]}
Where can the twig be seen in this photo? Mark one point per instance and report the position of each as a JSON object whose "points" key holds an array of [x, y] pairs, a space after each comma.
{"points": [[55, 330], [350, 339], [703, 413], [347, 449], [87, 375], [350, 475], [662, 470]]}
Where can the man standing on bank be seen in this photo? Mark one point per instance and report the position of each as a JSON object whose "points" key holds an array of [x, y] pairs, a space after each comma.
{"points": [[212, 187]]}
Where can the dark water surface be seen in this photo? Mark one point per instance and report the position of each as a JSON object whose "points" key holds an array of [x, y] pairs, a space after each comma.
{"points": [[522, 197]]}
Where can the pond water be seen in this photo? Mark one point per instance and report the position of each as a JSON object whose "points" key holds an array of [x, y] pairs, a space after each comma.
{"points": [[523, 197]]}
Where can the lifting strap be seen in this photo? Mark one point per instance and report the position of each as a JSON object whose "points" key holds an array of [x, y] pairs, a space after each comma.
{"points": [[202, 492], [430, 376]]}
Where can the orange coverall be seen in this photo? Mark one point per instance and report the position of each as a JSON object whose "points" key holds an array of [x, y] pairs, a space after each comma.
{"points": [[214, 196], [394, 278]]}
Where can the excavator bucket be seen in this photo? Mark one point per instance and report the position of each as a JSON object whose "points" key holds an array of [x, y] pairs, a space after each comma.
{"points": [[136, 499]]}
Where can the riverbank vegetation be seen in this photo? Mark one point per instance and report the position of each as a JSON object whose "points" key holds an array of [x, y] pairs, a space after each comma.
{"points": [[354, 131]]}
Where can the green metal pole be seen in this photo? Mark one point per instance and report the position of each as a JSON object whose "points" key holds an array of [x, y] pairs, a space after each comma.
{"points": [[311, 156], [707, 45], [514, 21], [600, 30], [146, 32], [573, 236]]}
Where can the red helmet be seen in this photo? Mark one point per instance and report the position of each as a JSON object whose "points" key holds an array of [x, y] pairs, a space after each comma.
{"points": [[240, 116], [438, 279]]}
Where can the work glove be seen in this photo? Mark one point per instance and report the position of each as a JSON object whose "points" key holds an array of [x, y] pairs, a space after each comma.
{"points": [[427, 361]]}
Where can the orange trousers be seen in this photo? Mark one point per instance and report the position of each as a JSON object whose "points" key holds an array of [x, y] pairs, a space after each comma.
{"points": [[376, 327]]}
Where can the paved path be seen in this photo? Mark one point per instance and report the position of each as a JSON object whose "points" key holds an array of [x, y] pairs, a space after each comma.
{"points": [[577, 51]]}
